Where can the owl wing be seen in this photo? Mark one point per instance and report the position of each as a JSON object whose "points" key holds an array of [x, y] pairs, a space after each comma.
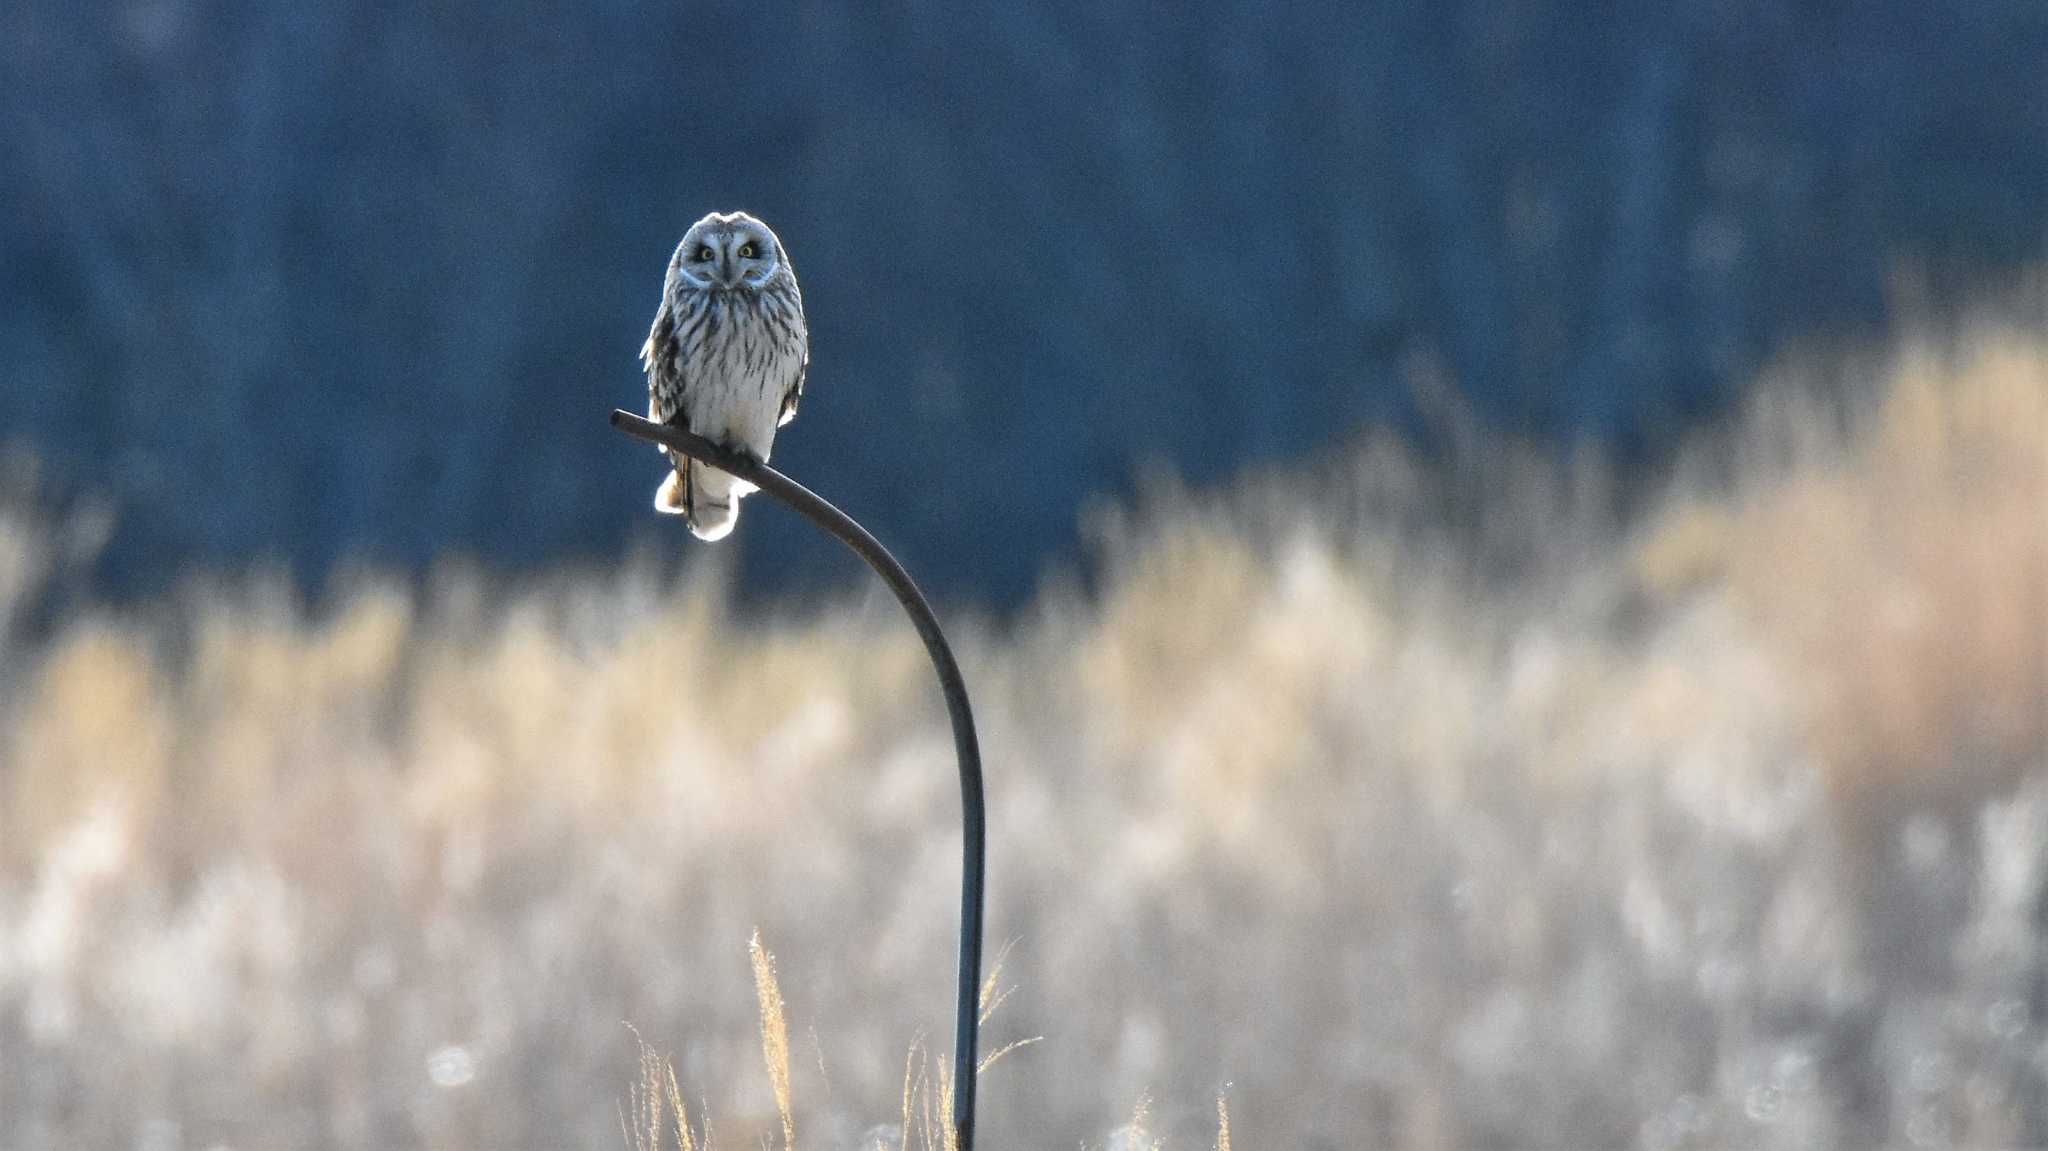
{"points": [[796, 389], [664, 379], [658, 357]]}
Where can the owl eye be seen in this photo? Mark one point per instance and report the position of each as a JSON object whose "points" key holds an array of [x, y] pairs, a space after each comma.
{"points": [[706, 255], [747, 250]]}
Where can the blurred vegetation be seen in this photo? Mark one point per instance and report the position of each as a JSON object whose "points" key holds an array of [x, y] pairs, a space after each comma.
{"points": [[1428, 804]]}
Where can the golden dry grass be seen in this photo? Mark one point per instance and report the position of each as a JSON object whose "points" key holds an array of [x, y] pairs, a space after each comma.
{"points": [[1438, 796], [774, 1034], [1900, 569], [655, 1096]]}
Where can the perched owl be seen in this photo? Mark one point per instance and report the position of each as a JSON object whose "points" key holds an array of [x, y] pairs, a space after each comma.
{"points": [[725, 360]]}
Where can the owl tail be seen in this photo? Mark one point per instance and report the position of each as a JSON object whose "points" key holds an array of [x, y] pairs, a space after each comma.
{"points": [[708, 497]]}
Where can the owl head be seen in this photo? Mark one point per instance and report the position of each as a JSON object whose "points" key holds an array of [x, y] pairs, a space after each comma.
{"points": [[727, 251]]}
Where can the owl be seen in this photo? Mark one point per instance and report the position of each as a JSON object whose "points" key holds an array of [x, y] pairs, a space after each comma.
{"points": [[726, 359]]}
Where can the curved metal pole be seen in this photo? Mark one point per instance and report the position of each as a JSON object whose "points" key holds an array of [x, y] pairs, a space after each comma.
{"points": [[974, 850]]}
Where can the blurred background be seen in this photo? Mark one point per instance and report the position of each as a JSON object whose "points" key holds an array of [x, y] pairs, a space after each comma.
{"points": [[1502, 551]]}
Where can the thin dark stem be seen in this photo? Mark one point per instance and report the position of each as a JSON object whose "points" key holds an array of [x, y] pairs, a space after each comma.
{"points": [[974, 850]]}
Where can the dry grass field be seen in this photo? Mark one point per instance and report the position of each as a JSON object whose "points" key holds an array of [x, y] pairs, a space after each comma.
{"points": [[1461, 804]]}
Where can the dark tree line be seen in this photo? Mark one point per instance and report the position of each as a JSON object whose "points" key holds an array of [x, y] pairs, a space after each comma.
{"points": [[247, 246]]}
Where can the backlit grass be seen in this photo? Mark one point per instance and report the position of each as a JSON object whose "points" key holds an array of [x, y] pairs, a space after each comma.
{"points": [[1443, 804]]}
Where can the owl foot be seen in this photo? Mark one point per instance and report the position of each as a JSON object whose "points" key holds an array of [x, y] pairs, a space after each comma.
{"points": [[743, 451]]}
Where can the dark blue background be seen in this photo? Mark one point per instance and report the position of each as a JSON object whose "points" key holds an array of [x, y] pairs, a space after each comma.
{"points": [[321, 281]]}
